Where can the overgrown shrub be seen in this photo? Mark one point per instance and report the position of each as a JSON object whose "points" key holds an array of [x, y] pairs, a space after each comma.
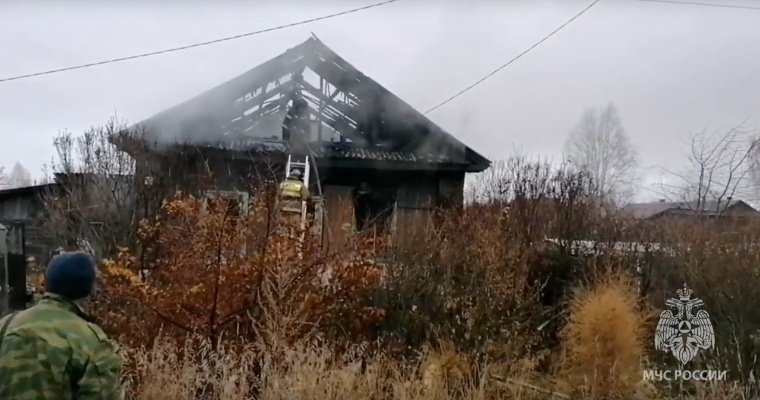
{"points": [[494, 280], [721, 264], [487, 273], [208, 271]]}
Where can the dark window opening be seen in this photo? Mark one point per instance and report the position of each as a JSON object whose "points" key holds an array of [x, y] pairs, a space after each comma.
{"points": [[373, 208], [225, 206], [233, 208], [232, 205]]}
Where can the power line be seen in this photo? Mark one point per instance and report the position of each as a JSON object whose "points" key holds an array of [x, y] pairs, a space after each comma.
{"points": [[694, 3], [479, 81], [153, 53]]}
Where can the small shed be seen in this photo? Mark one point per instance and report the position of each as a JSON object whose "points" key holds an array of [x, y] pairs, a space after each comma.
{"points": [[24, 208]]}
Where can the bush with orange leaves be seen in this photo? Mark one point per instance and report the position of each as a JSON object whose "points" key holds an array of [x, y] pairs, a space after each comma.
{"points": [[207, 270]]}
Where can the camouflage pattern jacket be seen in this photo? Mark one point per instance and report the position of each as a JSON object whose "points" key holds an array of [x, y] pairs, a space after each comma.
{"points": [[51, 351]]}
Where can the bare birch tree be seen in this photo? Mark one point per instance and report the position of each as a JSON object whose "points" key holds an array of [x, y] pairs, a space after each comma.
{"points": [[600, 146], [720, 166], [3, 178], [19, 176]]}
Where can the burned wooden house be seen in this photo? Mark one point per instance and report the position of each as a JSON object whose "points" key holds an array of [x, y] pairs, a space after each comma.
{"points": [[375, 157]]}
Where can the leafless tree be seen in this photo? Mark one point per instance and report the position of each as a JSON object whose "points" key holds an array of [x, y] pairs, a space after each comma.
{"points": [[102, 193], [46, 176], [3, 178], [720, 164], [600, 146], [492, 185], [19, 176], [93, 204]]}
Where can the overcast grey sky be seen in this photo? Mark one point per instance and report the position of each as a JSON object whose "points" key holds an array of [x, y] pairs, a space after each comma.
{"points": [[669, 68]]}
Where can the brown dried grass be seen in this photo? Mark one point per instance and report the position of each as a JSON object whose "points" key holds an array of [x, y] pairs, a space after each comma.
{"points": [[313, 371], [604, 338], [473, 285]]}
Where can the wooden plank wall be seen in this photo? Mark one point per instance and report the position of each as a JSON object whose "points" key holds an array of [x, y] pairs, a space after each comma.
{"points": [[28, 210], [451, 189], [19, 208], [340, 221], [412, 214], [14, 297]]}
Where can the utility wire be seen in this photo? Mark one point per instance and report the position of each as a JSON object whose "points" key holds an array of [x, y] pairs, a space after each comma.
{"points": [[479, 81], [694, 3], [153, 53]]}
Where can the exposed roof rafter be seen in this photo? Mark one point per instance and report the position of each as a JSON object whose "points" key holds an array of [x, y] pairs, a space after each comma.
{"points": [[349, 102]]}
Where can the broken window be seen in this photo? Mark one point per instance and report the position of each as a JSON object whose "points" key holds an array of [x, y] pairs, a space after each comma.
{"points": [[234, 203], [373, 208]]}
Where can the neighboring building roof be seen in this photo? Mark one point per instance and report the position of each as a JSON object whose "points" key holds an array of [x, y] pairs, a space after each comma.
{"points": [[249, 109], [709, 207], [26, 190], [647, 210], [59, 180]]}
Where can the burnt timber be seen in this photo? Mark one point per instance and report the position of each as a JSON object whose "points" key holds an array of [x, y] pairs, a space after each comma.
{"points": [[375, 154]]}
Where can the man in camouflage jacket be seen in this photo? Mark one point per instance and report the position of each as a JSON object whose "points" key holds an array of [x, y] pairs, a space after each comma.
{"points": [[52, 350]]}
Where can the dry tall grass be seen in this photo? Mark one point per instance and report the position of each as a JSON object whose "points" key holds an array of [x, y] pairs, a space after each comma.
{"points": [[192, 371], [604, 338], [602, 352], [491, 287], [312, 371]]}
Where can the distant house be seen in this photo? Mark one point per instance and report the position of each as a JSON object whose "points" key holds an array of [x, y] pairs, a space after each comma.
{"points": [[83, 198], [24, 208], [376, 157], [691, 209]]}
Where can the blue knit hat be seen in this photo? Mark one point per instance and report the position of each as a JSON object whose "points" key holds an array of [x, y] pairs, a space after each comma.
{"points": [[71, 275]]}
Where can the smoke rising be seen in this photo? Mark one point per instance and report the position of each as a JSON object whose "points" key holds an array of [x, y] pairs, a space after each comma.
{"points": [[248, 111]]}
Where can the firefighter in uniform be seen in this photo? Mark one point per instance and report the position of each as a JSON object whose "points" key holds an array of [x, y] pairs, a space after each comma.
{"points": [[292, 193], [295, 127]]}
